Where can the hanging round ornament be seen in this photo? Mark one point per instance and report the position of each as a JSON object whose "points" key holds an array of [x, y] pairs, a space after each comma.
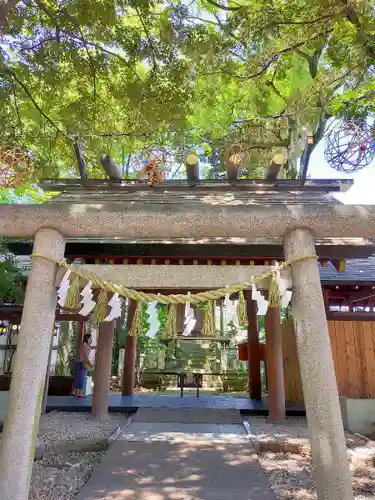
{"points": [[16, 167], [350, 146], [236, 158]]}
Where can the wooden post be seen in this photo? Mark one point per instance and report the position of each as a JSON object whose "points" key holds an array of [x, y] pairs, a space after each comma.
{"points": [[128, 375], [46, 382], [103, 364], [253, 350], [275, 368]]}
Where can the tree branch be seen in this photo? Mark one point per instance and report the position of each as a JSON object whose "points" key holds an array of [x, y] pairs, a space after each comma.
{"points": [[362, 36], [317, 137], [224, 7], [11, 74], [274, 58], [148, 39], [298, 23]]}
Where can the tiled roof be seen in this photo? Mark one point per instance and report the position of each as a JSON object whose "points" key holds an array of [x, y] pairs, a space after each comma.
{"points": [[356, 271]]}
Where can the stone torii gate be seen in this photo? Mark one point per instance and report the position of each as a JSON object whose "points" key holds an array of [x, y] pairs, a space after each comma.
{"points": [[50, 225]]}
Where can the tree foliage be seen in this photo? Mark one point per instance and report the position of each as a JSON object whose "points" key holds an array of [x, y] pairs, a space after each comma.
{"points": [[119, 76], [11, 276]]}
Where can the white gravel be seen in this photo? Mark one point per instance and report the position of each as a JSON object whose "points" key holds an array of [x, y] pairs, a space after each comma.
{"points": [[64, 426], [61, 477], [290, 473]]}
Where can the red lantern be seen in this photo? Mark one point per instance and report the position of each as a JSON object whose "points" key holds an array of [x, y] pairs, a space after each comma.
{"points": [[242, 352]]}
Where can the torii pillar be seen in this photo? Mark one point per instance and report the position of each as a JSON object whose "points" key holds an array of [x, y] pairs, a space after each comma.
{"points": [[328, 445], [29, 372]]}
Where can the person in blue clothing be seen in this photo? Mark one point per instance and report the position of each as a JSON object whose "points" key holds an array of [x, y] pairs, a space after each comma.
{"points": [[83, 362]]}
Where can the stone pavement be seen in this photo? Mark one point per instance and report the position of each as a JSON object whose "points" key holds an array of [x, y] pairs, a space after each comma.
{"points": [[155, 460]]}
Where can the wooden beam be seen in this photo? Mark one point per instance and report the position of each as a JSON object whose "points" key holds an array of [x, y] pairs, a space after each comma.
{"points": [[350, 316], [80, 161], [322, 185], [110, 168], [274, 168], [203, 249], [358, 296]]}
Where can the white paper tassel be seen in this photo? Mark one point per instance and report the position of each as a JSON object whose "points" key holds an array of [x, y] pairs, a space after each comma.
{"points": [[189, 321], [286, 298], [230, 311], [62, 292], [87, 302], [115, 305], [283, 284], [153, 320], [262, 302]]}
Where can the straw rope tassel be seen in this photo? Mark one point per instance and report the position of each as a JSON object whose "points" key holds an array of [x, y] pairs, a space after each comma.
{"points": [[73, 298], [274, 298], [192, 298], [100, 311], [136, 323], [241, 309], [171, 321], [208, 326]]}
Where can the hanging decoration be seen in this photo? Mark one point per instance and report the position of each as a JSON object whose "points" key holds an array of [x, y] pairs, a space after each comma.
{"points": [[109, 296], [208, 325], [115, 305], [349, 146], [16, 167], [63, 290], [171, 321], [87, 303], [189, 321], [73, 300], [282, 285], [261, 301], [241, 309], [101, 309], [136, 326], [153, 165], [153, 319], [230, 311]]}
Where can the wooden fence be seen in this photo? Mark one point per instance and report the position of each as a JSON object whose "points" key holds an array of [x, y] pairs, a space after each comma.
{"points": [[353, 350]]}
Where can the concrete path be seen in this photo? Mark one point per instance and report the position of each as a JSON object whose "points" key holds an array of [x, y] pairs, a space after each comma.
{"points": [[179, 461]]}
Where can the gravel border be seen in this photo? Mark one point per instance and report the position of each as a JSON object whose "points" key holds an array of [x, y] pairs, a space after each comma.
{"points": [[285, 455], [61, 477], [65, 426]]}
